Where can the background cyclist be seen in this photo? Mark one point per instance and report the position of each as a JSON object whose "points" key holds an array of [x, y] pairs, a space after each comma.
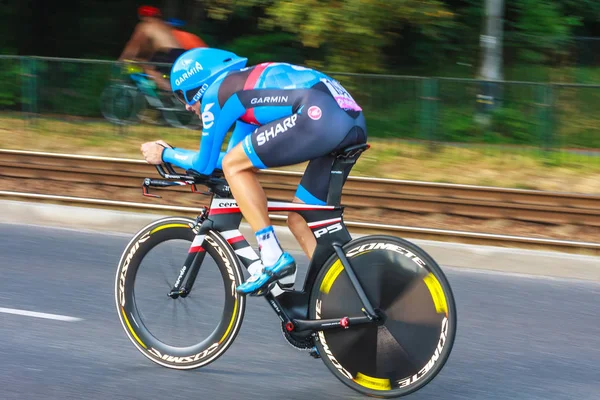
{"points": [[153, 40], [186, 39]]}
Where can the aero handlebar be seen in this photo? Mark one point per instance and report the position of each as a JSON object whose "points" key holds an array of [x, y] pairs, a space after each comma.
{"points": [[214, 183]]}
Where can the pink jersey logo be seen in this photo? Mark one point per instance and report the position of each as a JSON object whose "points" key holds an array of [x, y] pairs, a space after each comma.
{"points": [[315, 113]]}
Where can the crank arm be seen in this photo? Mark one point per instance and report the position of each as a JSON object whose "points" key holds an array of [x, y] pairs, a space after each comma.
{"points": [[325, 324]]}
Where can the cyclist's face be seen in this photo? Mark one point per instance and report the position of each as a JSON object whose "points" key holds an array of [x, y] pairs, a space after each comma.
{"points": [[195, 108]]}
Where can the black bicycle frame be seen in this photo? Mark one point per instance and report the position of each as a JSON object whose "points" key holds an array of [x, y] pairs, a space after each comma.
{"points": [[291, 306], [326, 223]]}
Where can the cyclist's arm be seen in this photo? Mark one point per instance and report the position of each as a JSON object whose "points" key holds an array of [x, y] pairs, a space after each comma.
{"points": [[240, 131], [216, 123], [132, 48]]}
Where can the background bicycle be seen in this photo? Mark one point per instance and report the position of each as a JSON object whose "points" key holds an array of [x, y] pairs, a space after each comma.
{"points": [[134, 97]]}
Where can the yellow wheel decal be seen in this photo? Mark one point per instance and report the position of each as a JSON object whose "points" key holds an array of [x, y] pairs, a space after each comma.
{"points": [[437, 294], [159, 228], [331, 276], [131, 329], [373, 383], [230, 322]]}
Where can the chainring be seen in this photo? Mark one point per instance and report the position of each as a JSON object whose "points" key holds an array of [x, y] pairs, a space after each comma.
{"points": [[302, 344]]}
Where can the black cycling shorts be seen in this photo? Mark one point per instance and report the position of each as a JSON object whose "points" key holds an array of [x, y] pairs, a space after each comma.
{"points": [[318, 128], [166, 57]]}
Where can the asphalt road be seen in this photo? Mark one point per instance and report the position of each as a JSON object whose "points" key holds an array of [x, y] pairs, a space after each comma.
{"points": [[519, 337]]}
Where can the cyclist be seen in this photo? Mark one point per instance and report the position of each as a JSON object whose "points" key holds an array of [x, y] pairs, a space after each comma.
{"points": [[283, 114], [186, 39], [153, 36]]}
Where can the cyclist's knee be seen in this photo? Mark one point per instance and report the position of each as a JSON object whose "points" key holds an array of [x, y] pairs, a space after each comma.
{"points": [[236, 161], [229, 163]]}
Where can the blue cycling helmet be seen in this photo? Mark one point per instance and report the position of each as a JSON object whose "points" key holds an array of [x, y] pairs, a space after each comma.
{"points": [[195, 70], [176, 23]]}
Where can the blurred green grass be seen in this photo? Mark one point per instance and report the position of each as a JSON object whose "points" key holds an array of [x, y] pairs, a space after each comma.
{"points": [[477, 164]]}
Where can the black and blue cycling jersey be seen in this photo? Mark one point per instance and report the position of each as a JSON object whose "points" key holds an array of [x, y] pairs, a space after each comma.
{"points": [[283, 114]]}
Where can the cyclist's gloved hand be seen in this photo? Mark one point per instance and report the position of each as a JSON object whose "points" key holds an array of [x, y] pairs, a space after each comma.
{"points": [[153, 151], [163, 144]]}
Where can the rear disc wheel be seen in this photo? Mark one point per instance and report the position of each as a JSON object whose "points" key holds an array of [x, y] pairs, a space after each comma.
{"points": [[410, 344]]}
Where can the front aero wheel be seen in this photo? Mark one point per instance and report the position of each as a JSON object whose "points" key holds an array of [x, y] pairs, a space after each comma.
{"points": [[403, 351], [183, 332]]}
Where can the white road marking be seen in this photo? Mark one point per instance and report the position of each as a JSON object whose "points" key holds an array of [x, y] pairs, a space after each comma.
{"points": [[39, 315]]}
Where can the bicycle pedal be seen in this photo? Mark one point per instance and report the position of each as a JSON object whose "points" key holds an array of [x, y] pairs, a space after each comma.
{"points": [[259, 293], [286, 285], [288, 281], [263, 291]]}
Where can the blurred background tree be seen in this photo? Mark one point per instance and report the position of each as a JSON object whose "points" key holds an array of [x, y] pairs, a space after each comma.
{"points": [[344, 35], [543, 41], [422, 37]]}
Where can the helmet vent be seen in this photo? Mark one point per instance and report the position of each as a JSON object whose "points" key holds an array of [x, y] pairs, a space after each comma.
{"points": [[227, 60]]}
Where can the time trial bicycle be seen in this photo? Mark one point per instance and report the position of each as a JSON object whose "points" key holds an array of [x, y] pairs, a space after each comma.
{"points": [[377, 310]]}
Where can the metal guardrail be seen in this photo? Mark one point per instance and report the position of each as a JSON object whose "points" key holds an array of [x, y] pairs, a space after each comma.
{"points": [[349, 74], [111, 171], [357, 227]]}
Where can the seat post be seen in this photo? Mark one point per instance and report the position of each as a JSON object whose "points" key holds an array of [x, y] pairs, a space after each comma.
{"points": [[342, 164], [336, 182]]}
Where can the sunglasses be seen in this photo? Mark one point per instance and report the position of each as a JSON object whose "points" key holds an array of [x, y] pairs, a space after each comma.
{"points": [[186, 98], [179, 95]]}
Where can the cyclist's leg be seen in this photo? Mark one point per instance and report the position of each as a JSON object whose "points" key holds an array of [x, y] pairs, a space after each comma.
{"points": [[245, 187], [250, 197], [301, 231], [159, 72], [335, 130], [157, 77], [316, 179], [314, 188], [271, 145], [317, 129]]}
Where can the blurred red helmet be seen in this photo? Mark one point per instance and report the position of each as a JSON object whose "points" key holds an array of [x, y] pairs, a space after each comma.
{"points": [[148, 11]]}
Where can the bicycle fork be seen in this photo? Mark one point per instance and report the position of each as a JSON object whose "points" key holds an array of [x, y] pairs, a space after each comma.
{"points": [[190, 268]]}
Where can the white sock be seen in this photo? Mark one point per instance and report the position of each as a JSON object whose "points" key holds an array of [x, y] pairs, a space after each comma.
{"points": [[270, 250]]}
